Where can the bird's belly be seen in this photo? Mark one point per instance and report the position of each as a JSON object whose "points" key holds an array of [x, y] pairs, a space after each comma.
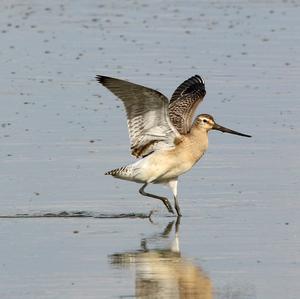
{"points": [[166, 167], [175, 170], [162, 166]]}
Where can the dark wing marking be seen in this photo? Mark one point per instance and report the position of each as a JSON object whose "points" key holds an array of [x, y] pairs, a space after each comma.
{"points": [[184, 102]]}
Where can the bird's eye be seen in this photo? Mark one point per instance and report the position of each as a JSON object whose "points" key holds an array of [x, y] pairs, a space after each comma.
{"points": [[204, 120]]}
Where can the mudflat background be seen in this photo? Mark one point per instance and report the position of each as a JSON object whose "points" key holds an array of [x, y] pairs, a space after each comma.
{"points": [[60, 131]]}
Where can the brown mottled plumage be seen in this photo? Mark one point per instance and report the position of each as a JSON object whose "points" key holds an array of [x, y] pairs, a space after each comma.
{"points": [[184, 102]]}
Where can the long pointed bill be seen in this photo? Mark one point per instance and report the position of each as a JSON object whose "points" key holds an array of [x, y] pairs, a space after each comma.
{"points": [[225, 130]]}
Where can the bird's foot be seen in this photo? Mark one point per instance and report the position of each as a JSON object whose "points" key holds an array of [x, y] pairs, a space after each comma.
{"points": [[150, 215], [178, 211]]}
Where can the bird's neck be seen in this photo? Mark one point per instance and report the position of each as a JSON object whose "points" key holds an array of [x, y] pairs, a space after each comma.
{"points": [[199, 133], [198, 138]]}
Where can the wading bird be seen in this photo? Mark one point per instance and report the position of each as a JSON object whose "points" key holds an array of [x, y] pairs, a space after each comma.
{"points": [[162, 133]]}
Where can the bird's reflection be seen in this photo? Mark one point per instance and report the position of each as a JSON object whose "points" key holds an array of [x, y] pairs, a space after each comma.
{"points": [[162, 272]]}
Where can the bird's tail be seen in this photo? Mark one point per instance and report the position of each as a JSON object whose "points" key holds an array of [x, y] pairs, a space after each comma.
{"points": [[124, 173]]}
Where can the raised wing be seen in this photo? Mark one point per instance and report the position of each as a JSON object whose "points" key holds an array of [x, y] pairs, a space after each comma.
{"points": [[147, 116], [184, 102]]}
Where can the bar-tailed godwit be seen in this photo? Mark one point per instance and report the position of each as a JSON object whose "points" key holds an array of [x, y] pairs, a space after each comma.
{"points": [[162, 133]]}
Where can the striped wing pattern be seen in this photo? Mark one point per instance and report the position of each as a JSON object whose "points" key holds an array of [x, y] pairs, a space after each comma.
{"points": [[147, 116], [184, 102]]}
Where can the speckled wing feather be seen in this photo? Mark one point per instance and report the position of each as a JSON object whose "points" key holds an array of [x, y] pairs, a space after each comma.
{"points": [[147, 116], [184, 102]]}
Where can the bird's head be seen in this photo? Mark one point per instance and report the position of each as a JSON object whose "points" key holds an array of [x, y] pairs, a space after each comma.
{"points": [[207, 122]]}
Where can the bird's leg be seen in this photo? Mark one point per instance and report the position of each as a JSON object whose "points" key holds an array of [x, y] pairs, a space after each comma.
{"points": [[163, 199], [173, 185], [177, 208]]}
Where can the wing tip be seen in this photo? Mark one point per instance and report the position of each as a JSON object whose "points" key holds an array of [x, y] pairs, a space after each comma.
{"points": [[100, 78], [193, 84], [199, 78]]}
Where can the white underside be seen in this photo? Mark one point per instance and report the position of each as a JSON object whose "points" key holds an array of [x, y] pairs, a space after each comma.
{"points": [[156, 169]]}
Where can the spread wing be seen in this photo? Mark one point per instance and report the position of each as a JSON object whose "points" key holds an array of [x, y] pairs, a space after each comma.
{"points": [[147, 116], [184, 102]]}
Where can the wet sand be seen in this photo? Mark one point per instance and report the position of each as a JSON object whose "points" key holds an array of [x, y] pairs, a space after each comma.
{"points": [[60, 131]]}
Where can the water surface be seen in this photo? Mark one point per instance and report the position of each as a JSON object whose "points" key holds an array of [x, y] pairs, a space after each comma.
{"points": [[60, 131]]}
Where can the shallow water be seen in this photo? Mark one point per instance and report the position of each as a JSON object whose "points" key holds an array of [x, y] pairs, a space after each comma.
{"points": [[60, 131]]}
